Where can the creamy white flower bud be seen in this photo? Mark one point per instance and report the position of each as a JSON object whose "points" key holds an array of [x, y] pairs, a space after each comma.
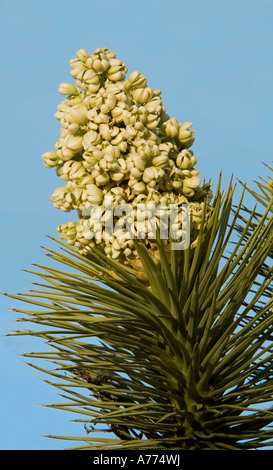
{"points": [[127, 252], [185, 135], [58, 197], [110, 101], [117, 176], [177, 184], [90, 76], [142, 95], [75, 115], [139, 187], [150, 174], [117, 75], [82, 55], [193, 182], [130, 133], [111, 150], [123, 145], [73, 128], [116, 62], [117, 113], [152, 121], [94, 194], [100, 66], [102, 179], [91, 138], [50, 159], [136, 173], [162, 161], [119, 138], [183, 161], [71, 170], [74, 143], [154, 105], [67, 89], [139, 162], [193, 160], [136, 80], [105, 132], [171, 127]]}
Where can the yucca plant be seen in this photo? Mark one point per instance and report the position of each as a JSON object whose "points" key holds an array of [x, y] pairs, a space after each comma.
{"points": [[159, 348]]}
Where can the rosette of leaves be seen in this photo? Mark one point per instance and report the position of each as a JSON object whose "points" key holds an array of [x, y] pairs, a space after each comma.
{"points": [[185, 364]]}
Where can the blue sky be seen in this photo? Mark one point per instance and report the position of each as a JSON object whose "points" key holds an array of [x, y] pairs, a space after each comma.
{"points": [[213, 61]]}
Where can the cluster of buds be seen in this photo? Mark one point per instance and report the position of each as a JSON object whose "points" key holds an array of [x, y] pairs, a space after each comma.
{"points": [[117, 140]]}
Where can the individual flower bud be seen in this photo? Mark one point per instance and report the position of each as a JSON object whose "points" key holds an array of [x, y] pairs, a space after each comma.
{"points": [[75, 115], [91, 138], [74, 143], [154, 105], [136, 173], [117, 113], [110, 101], [117, 176], [128, 118], [105, 132], [127, 252], [189, 192], [152, 121], [73, 128], [129, 133], [116, 62], [71, 170], [123, 145], [77, 170], [183, 160], [171, 127], [50, 159], [103, 118], [58, 199], [78, 68], [115, 74], [119, 138], [136, 80], [90, 76], [111, 150], [89, 62], [65, 154], [193, 160], [67, 89], [139, 187], [98, 66], [94, 194], [185, 135], [193, 182], [177, 184], [149, 174], [102, 179], [75, 196], [142, 95], [162, 161], [68, 232], [139, 162], [139, 126], [82, 55]]}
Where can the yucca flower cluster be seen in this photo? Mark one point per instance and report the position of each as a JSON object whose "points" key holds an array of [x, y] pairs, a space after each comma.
{"points": [[117, 140]]}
